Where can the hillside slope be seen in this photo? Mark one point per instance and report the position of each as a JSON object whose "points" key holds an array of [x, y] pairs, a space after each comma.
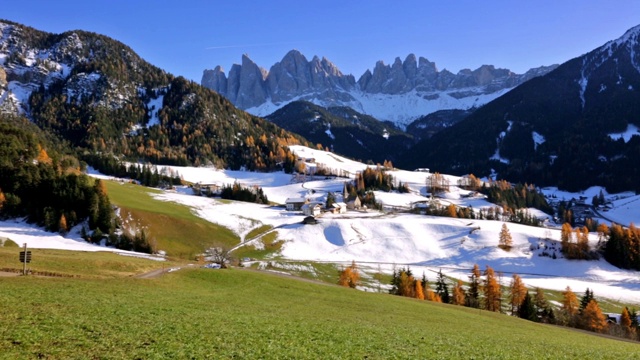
{"points": [[101, 97], [343, 130], [564, 129]]}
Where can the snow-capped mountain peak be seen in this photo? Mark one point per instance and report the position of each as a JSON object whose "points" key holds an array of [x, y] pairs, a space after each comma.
{"points": [[400, 92]]}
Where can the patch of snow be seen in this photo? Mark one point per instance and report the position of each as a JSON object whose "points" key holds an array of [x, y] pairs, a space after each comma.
{"points": [[328, 132], [537, 139], [400, 109], [21, 232], [627, 134], [154, 106]]}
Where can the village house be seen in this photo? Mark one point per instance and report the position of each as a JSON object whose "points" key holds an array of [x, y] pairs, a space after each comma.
{"points": [[354, 203], [338, 208], [295, 204], [312, 209]]}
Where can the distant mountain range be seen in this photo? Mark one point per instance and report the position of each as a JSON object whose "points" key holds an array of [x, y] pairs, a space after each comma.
{"points": [[401, 92], [574, 127]]}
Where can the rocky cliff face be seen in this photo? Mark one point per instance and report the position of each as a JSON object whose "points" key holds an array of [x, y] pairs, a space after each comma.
{"points": [[414, 82]]}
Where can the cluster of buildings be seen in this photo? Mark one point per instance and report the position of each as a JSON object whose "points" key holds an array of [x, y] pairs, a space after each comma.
{"points": [[315, 208]]}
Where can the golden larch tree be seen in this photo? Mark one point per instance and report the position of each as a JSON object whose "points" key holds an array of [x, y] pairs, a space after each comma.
{"points": [[350, 277], [419, 293], [406, 286], [569, 302], [431, 295], [62, 224], [492, 291], [517, 293], [565, 237], [3, 199], [593, 317], [626, 323], [505, 241], [457, 297]]}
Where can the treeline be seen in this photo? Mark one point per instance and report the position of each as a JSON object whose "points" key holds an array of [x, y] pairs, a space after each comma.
{"points": [[515, 197], [376, 179], [622, 248], [575, 243], [242, 193], [489, 213], [146, 175], [484, 291]]}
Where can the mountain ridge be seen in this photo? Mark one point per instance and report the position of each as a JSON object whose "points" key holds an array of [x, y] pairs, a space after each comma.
{"points": [[102, 98], [417, 85], [554, 130]]}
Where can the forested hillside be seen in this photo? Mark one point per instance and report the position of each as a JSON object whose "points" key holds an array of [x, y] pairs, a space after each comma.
{"points": [[102, 98], [572, 128], [39, 182], [343, 130]]}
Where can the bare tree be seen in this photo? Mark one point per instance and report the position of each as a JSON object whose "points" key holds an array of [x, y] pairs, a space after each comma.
{"points": [[220, 255]]}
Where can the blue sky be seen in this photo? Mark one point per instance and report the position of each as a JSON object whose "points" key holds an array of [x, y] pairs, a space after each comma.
{"points": [[185, 37]]}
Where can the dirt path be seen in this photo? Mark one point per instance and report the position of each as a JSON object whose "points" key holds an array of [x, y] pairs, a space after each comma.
{"points": [[159, 272], [9, 274]]}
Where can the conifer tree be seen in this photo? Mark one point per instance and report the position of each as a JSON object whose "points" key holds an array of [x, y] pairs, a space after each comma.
{"points": [[565, 238], [505, 241], [626, 324], [473, 293], [331, 199], [425, 282], [540, 300], [458, 297], [527, 310], [569, 302], [517, 293], [491, 289], [442, 289], [586, 299], [593, 318]]}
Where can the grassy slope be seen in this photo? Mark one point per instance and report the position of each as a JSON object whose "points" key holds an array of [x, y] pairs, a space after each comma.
{"points": [[100, 264], [244, 314], [176, 229]]}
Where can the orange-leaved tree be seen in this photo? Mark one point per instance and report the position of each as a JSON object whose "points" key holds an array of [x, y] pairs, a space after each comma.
{"points": [[506, 241], [350, 277], [457, 297], [517, 293], [593, 317], [492, 291], [569, 302]]}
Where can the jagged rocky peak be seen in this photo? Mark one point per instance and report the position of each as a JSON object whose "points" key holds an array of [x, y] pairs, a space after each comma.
{"points": [[321, 82]]}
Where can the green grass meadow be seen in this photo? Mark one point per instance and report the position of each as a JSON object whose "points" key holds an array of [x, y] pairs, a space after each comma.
{"points": [[99, 264], [244, 314], [175, 228]]}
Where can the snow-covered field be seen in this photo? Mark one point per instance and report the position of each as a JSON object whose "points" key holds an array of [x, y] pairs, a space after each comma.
{"points": [[427, 244]]}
